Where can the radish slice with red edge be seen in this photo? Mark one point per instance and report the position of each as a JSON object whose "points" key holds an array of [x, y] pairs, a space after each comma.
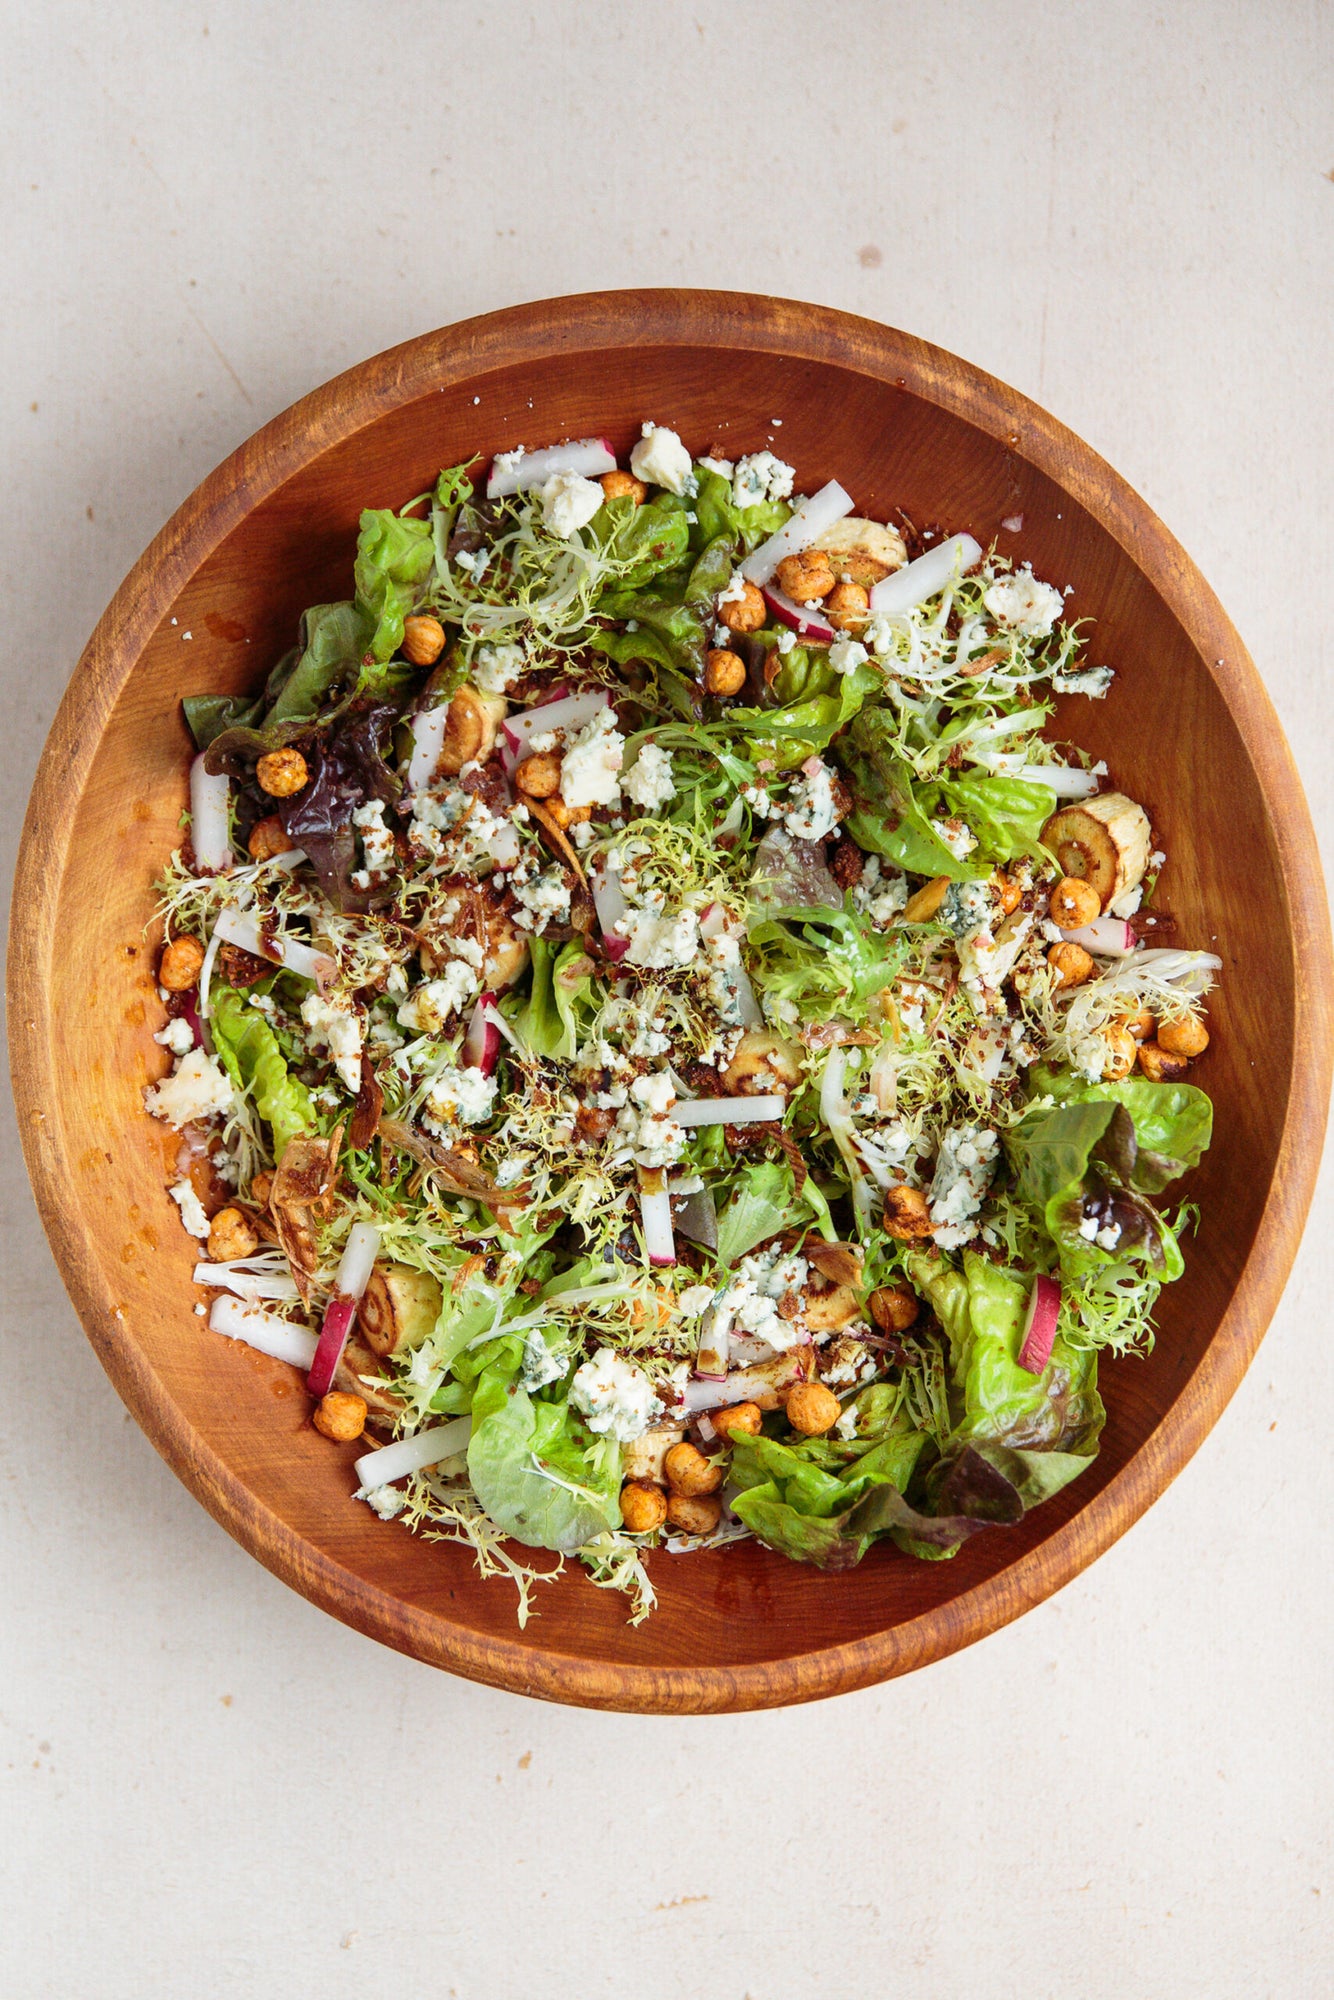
{"points": [[354, 1273], [655, 1209], [395, 1461], [1044, 1306], [801, 531], [910, 586], [210, 836], [728, 1110], [518, 471], [1066, 780], [807, 624], [428, 740], [481, 1044], [611, 906], [267, 1332], [1111, 937]]}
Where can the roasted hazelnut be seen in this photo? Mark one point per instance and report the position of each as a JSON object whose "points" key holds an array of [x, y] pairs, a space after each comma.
{"points": [[1074, 903], [694, 1513], [230, 1235], [340, 1416], [181, 964], [1071, 964], [906, 1213], [894, 1308], [724, 672], [539, 776], [737, 1420], [847, 607], [812, 1409], [281, 773], [267, 838], [643, 1507], [1187, 1036], [688, 1471], [1159, 1064], [745, 613], [806, 576], [423, 640], [623, 486]]}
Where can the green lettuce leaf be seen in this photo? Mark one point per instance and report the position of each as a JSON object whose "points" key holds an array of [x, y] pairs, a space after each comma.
{"points": [[539, 1473], [894, 811], [717, 514], [653, 538], [804, 1500], [395, 553], [252, 1058], [562, 979], [1075, 1167], [787, 736], [1173, 1121]]}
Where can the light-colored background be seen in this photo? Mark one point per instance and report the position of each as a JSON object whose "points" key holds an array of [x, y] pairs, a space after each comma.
{"points": [[212, 1789]]}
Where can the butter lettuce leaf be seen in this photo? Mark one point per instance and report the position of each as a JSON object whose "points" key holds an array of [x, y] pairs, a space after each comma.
{"points": [[539, 1473], [395, 554], [252, 1058]]}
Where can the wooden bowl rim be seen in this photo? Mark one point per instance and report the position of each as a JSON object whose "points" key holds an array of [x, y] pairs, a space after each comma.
{"points": [[329, 416]]}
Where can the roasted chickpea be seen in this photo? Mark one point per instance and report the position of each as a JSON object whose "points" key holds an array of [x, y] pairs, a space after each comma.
{"points": [[539, 776], [340, 1416], [1122, 1049], [643, 1507], [688, 1471], [1071, 964], [1186, 1037], [423, 640], [1074, 903], [260, 1189], [623, 486], [724, 672], [847, 607], [894, 1308], [181, 963], [737, 1420], [230, 1235], [281, 773], [1159, 1064], [1007, 893], [745, 613], [267, 838], [906, 1213], [1140, 1026], [806, 576], [812, 1409], [694, 1513]]}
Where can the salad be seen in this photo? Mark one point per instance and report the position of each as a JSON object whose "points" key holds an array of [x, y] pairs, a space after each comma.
{"points": [[666, 1033]]}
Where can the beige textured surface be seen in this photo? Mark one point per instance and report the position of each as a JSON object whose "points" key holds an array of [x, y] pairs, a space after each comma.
{"points": [[1124, 210]]}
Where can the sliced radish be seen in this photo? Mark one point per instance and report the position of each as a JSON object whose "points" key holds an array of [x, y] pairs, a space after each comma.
{"points": [[713, 920], [808, 624], [728, 1110], [395, 1461], [927, 577], [570, 712], [744, 1383], [265, 1331], [503, 1029], [242, 929], [801, 531], [1064, 779], [428, 740], [354, 1272], [481, 1044], [210, 799], [611, 906], [714, 1345], [1044, 1305], [1110, 937], [655, 1209], [517, 471], [751, 1014]]}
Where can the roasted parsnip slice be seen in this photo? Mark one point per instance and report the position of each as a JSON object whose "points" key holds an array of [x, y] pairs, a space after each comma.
{"points": [[400, 1307], [1103, 841]]}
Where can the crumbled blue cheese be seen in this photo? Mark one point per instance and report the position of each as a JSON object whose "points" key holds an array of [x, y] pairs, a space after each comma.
{"points": [[1023, 605], [758, 799], [811, 811], [760, 476], [540, 1365], [955, 834], [847, 654], [1127, 904], [695, 1300], [647, 1124], [1092, 681], [649, 782], [544, 900], [590, 770], [881, 633], [497, 667], [428, 1008], [750, 1301], [459, 1097], [178, 1036], [569, 502], [474, 561], [192, 1209], [196, 1089], [966, 909], [785, 640], [335, 1025], [964, 1169], [722, 466], [616, 1397], [660, 942], [661, 459], [377, 846], [881, 893], [847, 1363], [733, 591], [386, 1501], [985, 961]]}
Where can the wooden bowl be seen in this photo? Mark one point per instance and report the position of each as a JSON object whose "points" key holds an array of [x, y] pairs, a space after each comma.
{"points": [[1187, 729]]}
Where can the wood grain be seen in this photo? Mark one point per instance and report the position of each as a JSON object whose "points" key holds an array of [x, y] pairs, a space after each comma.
{"points": [[1187, 728]]}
